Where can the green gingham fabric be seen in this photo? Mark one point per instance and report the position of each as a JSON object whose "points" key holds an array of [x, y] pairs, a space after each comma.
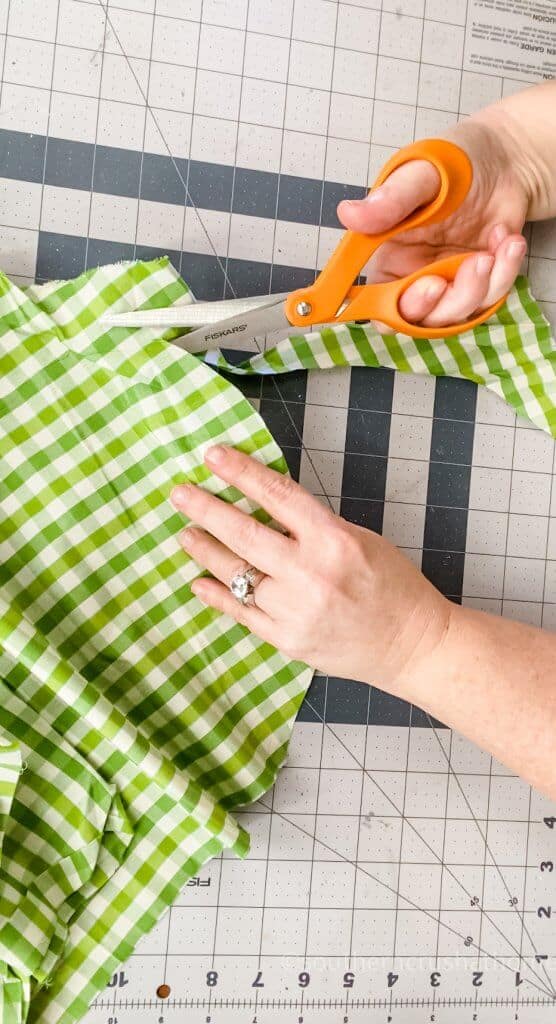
{"points": [[513, 355], [133, 719]]}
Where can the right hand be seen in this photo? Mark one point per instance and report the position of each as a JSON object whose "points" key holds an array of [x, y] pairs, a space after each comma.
{"points": [[488, 224]]}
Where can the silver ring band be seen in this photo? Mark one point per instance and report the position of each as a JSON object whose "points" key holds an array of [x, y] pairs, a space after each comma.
{"points": [[243, 584]]}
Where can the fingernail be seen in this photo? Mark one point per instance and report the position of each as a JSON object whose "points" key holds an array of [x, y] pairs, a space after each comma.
{"points": [[499, 233], [373, 195], [434, 289], [484, 264], [429, 289], [187, 536], [517, 249], [180, 495], [216, 454]]}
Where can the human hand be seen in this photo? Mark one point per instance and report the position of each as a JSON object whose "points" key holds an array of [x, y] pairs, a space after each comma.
{"points": [[488, 223], [332, 594]]}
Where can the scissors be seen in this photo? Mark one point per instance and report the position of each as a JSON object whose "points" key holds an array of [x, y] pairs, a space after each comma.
{"points": [[334, 298]]}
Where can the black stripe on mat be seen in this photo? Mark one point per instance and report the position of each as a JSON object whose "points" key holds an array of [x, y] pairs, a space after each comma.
{"points": [[451, 456], [65, 256], [127, 172]]}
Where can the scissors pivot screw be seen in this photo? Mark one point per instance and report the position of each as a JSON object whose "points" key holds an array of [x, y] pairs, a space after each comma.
{"points": [[303, 308]]}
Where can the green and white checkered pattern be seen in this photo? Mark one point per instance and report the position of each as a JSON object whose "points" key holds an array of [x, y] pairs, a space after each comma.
{"points": [[133, 719], [513, 355]]}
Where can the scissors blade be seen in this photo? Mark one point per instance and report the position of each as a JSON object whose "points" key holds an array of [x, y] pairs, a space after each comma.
{"points": [[228, 323], [236, 331], [188, 314]]}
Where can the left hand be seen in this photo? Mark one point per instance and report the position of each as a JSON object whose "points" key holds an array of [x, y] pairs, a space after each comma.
{"points": [[331, 594]]}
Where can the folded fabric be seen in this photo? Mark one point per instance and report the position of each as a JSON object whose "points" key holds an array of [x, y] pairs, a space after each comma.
{"points": [[133, 719]]}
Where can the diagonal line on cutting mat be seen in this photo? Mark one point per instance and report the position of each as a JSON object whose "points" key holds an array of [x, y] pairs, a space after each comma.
{"points": [[428, 913], [489, 851], [441, 886], [484, 867], [209, 240], [401, 844], [145, 126], [102, 51], [187, 192], [525, 879], [446, 867]]}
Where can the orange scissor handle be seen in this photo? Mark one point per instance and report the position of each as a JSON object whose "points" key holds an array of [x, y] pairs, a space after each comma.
{"points": [[333, 298]]}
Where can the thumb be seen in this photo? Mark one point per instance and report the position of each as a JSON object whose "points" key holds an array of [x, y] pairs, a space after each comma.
{"points": [[409, 186]]}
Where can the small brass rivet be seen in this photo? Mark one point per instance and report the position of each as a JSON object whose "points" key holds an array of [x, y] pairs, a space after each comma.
{"points": [[303, 308]]}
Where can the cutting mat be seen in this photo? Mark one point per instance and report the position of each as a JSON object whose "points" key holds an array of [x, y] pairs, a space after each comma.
{"points": [[397, 873]]}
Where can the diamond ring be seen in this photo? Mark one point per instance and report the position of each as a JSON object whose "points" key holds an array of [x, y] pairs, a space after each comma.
{"points": [[243, 585]]}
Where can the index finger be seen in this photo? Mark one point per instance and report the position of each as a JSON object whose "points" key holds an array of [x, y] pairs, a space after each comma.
{"points": [[281, 496]]}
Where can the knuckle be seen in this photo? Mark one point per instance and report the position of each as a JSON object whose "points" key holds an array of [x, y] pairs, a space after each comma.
{"points": [[342, 546], [199, 503], [335, 548], [242, 471], [352, 542], [278, 487], [195, 538], [246, 533], [397, 205], [322, 604], [236, 610], [294, 641]]}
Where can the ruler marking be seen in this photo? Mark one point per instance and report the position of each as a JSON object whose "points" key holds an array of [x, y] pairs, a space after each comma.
{"points": [[552, 989], [447, 867]]}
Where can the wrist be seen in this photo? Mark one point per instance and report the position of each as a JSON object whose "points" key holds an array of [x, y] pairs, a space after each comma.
{"points": [[431, 638], [517, 137]]}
